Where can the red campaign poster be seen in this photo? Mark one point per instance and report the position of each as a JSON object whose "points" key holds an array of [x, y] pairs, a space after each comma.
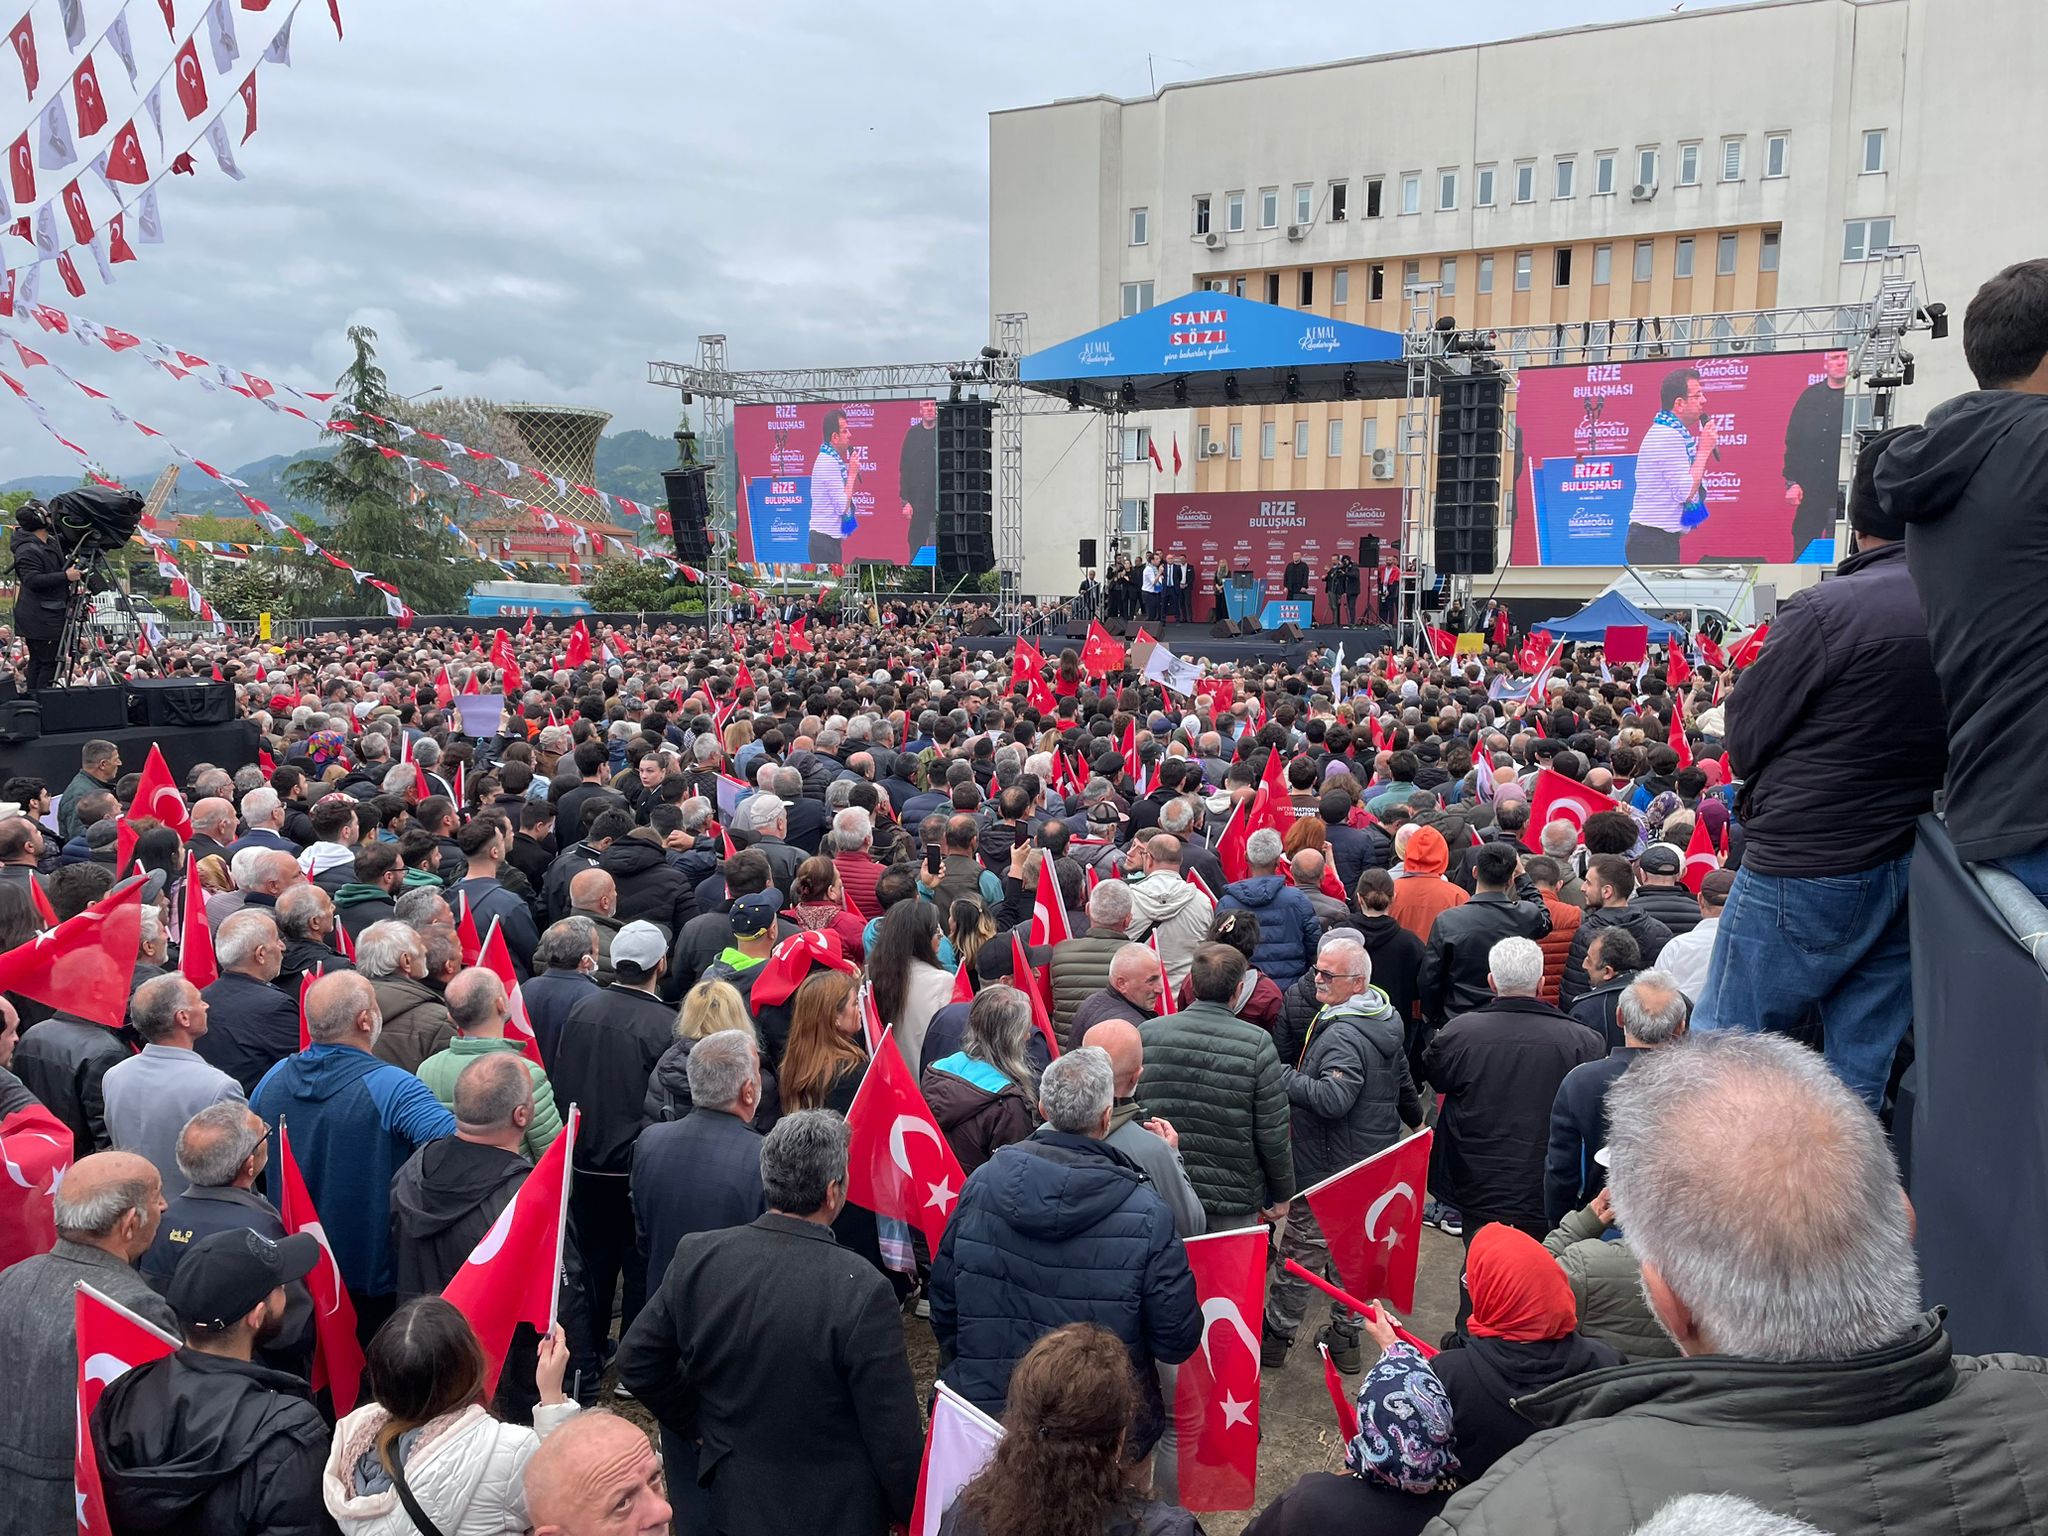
{"points": [[1609, 453], [830, 482], [1261, 531]]}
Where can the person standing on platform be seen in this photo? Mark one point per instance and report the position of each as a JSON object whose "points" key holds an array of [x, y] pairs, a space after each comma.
{"points": [[1349, 568], [1295, 579], [1148, 586], [45, 582], [1333, 586]]}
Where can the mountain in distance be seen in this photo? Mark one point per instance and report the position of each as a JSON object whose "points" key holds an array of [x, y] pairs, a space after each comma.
{"points": [[628, 464]]}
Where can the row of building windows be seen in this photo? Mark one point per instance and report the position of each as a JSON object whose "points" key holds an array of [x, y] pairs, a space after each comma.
{"points": [[1522, 184]]}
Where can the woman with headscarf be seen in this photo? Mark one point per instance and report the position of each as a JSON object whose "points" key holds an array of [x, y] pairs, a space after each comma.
{"points": [[1522, 1336], [1399, 1468]]}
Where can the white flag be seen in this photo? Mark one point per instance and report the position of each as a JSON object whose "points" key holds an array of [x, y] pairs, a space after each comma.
{"points": [[74, 22], [57, 149], [1171, 671], [46, 230], [1337, 673], [149, 228], [280, 49], [99, 256], [155, 103], [123, 45], [223, 152], [959, 1443], [25, 291], [220, 32]]}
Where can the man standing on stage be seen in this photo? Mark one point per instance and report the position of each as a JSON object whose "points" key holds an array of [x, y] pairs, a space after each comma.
{"points": [[1347, 568], [1813, 455], [834, 473], [917, 476], [1183, 589], [1671, 466], [1295, 579], [1333, 584], [1149, 581]]}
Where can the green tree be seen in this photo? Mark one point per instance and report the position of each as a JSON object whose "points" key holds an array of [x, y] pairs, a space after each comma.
{"points": [[628, 586], [383, 524], [242, 590]]}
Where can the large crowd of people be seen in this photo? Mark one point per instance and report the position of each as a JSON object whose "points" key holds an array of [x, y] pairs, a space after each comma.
{"points": [[1660, 1095]]}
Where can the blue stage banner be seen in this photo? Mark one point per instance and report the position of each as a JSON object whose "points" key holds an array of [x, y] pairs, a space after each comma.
{"points": [[1582, 508], [1209, 331], [781, 511], [1280, 611]]}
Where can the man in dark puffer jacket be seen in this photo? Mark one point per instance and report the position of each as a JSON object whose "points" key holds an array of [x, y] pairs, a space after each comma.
{"points": [[1741, 1167], [1216, 1079], [1288, 926], [1610, 882], [1061, 1228], [651, 889], [1351, 1097]]}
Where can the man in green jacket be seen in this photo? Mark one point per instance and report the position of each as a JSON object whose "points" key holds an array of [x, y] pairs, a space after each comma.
{"points": [[1777, 1251], [478, 1004], [1217, 1079]]}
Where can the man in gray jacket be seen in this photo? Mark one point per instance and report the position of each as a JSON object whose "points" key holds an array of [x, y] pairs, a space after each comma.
{"points": [[149, 1097], [1777, 1251], [1150, 1142], [1351, 1096]]}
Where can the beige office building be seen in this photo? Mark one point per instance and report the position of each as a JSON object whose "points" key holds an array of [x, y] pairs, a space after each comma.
{"points": [[1751, 157]]}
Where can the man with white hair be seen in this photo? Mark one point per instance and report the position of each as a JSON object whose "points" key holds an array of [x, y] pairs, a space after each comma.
{"points": [[414, 1022], [149, 1097], [1037, 1218], [1288, 926], [1651, 1012], [261, 875], [766, 816], [250, 1025], [701, 1173], [1499, 1068], [263, 813], [107, 1210], [851, 844], [1776, 1246], [1081, 965], [213, 827]]}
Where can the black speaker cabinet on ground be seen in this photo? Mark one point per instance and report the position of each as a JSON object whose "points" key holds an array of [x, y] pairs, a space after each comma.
{"points": [[1222, 629], [20, 720], [101, 708], [1286, 634], [984, 626], [1247, 626], [177, 701]]}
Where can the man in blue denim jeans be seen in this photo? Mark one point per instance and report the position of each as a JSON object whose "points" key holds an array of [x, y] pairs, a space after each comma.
{"points": [[1837, 733]]}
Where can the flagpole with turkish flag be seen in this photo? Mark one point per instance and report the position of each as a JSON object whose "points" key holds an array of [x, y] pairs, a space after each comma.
{"points": [[1701, 857], [1216, 1389], [1371, 1216], [111, 1341], [35, 1154], [196, 960], [1679, 743], [496, 958], [887, 1118], [1553, 797], [1048, 909], [1167, 1006], [337, 1353], [958, 1443], [514, 1275], [86, 964], [1027, 983]]}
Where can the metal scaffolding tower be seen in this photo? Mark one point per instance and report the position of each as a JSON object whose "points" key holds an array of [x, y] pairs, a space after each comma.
{"points": [[1013, 338], [723, 521]]}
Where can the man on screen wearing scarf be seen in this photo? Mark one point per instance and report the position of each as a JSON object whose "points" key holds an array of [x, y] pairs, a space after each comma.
{"points": [[1671, 464]]}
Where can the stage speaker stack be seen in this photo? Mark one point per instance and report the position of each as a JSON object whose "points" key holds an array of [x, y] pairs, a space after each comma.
{"points": [[967, 481], [1286, 634], [100, 707], [1085, 555], [1472, 414], [1222, 629], [689, 511], [1248, 626], [1369, 551]]}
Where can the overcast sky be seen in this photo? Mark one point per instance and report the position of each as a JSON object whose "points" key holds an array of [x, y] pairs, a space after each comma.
{"points": [[529, 199]]}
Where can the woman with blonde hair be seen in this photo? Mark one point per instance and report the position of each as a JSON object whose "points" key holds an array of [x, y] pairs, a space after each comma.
{"points": [[823, 1066], [969, 925], [708, 1007]]}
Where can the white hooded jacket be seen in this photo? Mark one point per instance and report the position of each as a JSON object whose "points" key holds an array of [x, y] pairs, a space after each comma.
{"points": [[464, 1468], [1165, 904]]}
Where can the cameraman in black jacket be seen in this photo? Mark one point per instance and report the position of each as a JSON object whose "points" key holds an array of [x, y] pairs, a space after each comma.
{"points": [[45, 594]]}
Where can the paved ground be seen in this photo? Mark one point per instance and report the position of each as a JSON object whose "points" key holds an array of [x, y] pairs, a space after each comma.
{"points": [[1298, 1430]]}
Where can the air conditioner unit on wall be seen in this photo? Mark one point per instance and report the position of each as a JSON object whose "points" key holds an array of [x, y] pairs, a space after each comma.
{"points": [[1213, 240], [1383, 463], [1297, 231], [1642, 192], [1213, 451]]}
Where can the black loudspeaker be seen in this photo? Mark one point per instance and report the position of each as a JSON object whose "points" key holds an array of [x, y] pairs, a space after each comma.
{"points": [[1468, 447], [689, 511], [967, 541], [1086, 555], [1286, 634], [1369, 551], [1222, 629], [1247, 626], [20, 720], [101, 708], [174, 701], [984, 626]]}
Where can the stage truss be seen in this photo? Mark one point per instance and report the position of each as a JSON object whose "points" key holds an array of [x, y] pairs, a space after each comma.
{"points": [[1874, 330]]}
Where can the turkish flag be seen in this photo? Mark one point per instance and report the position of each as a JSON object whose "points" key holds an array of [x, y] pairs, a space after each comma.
{"points": [[35, 1151], [112, 1341], [191, 79], [23, 37], [1340, 1396], [1624, 643], [337, 1356], [85, 96], [898, 1164], [1166, 1002], [85, 964], [798, 640], [963, 992], [1021, 976], [1701, 859], [21, 170], [1130, 749], [1371, 1216], [1216, 1394], [1677, 670], [1276, 808], [1330, 885], [1152, 447], [169, 8], [1752, 642], [1040, 697], [157, 795], [305, 990], [515, 1273], [1533, 650], [1679, 744], [41, 900], [444, 689], [1237, 831], [1442, 642], [497, 959], [958, 1443], [67, 270], [1557, 798], [579, 645], [196, 961], [501, 658], [1048, 911], [471, 685], [465, 928], [118, 248], [1176, 455], [248, 95], [526, 629], [1025, 661], [1101, 653], [420, 790]]}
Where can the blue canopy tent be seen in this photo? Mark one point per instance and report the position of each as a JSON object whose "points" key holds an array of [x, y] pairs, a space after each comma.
{"points": [[1211, 349], [1610, 610]]}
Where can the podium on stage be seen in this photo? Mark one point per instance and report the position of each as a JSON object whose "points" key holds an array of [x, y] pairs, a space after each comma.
{"points": [[1242, 594]]}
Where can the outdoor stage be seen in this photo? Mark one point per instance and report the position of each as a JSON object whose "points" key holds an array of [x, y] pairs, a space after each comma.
{"points": [[1194, 642], [54, 758]]}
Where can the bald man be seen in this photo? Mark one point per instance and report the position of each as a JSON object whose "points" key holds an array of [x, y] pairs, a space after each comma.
{"points": [[595, 1476], [595, 895], [1152, 1144], [107, 1210], [480, 1011], [213, 828]]}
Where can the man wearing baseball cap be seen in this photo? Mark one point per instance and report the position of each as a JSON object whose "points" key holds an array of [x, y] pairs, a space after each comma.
{"points": [[753, 938], [205, 1439]]}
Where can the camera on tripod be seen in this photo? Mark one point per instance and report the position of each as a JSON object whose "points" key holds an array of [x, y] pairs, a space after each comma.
{"points": [[92, 523]]}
